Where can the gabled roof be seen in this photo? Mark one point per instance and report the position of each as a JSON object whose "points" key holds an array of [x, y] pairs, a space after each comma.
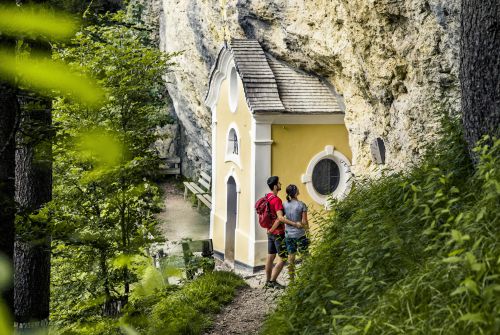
{"points": [[303, 93], [259, 82], [272, 86]]}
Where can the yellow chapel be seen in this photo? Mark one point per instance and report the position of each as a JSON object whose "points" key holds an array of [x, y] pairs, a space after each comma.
{"points": [[269, 118]]}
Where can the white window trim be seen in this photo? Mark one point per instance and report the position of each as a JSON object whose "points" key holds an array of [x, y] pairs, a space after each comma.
{"points": [[345, 182], [226, 59], [233, 97], [230, 157]]}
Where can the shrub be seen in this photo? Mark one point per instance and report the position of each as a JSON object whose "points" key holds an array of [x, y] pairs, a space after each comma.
{"points": [[416, 253], [188, 310], [165, 309]]}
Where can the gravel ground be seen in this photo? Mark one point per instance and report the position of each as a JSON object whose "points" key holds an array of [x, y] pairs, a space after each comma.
{"points": [[246, 313]]}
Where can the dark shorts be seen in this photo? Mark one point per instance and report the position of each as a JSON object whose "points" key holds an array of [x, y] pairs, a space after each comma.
{"points": [[276, 245], [297, 244]]}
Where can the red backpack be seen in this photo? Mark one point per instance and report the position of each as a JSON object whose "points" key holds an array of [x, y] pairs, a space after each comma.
{"points": [[263, 209]]}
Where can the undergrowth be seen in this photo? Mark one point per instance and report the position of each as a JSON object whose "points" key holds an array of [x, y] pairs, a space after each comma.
{"points": [[163, 309], [189, 311], [407, 254]]}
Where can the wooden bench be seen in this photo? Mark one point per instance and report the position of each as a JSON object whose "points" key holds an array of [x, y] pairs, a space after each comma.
{"points": [[171, 166], [202, 189]]}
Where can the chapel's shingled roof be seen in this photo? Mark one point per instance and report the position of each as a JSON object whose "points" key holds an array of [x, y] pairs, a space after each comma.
{"points": [[259, 82], [301, 92], [274, 87]]}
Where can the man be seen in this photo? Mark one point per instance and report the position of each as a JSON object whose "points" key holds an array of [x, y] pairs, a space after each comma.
{"points": [[276, 235]]}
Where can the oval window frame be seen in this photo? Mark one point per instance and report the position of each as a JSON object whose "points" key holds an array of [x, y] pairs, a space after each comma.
{"points": [[345, 182], [233, 91]]}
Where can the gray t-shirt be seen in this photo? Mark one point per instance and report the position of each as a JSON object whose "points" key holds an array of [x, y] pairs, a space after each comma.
{"points": [[293, 212]]}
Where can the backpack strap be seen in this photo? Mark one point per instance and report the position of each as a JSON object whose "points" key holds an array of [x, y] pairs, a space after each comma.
{"points": [[271, 197]]}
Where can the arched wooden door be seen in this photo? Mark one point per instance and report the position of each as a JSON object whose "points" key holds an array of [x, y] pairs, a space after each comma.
{"points": [[232, 200]]}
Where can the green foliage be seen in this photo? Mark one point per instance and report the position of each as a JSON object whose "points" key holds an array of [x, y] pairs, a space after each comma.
{"points": [[86, 318], [103, 213], [36, 21], [152, 288], [199, 264], [5, 281], [167, 309], [194, 261], [36, 72], [89, 9], [5, 273], [188, 310], [46, 76], [411, 254]]}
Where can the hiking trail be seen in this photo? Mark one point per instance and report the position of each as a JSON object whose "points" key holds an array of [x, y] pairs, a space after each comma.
{"points": [[247, 312]]}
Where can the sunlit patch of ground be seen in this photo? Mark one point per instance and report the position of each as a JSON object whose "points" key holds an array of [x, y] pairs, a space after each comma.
{"points": [[180, 219]]}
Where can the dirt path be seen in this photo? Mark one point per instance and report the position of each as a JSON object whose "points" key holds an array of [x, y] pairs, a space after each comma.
{"points": [[246, 313]]}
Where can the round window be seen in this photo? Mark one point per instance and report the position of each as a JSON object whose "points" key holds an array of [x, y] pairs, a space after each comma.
{"points": [[233, 89], [326, 176]]}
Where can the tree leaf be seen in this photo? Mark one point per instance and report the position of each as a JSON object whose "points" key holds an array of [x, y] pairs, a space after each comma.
{"points": [[5, 320], [36, 22], [45, 76], [5, 272]]}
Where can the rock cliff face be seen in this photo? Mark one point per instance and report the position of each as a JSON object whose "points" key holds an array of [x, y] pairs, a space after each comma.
{"points": [[394, 61]]}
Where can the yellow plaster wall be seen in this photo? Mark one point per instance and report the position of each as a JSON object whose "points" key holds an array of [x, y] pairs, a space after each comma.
{"points": [[293, 148], [242, 118]]}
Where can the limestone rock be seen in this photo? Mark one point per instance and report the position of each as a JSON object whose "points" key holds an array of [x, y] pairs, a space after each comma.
{"points": [[394, 61], [165, 144]]}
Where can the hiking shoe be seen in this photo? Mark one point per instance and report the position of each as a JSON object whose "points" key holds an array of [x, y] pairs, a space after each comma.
{"points": [[268, 284], [278, 285], [273, 284]]}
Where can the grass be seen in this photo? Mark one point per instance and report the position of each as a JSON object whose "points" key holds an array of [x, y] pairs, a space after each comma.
{"points": [[189, 310], [162, 309], [407, 254]]}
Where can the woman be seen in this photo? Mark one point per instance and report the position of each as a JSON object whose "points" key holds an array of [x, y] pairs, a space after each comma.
{"points": [[296, 240]]}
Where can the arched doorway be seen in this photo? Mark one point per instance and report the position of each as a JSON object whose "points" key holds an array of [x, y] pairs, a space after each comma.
{"points": [[232, 200]]}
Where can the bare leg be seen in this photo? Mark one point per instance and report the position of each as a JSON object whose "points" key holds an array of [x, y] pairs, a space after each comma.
{"points": [[269, 265], [291, 266], [277, 269]]}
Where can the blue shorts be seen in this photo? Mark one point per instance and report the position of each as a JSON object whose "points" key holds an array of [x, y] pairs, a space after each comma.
{"points": [[276, 245], [299, 244]]}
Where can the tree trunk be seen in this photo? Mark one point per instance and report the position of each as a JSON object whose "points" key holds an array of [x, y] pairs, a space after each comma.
{"points": [[480, 69], [33, 191], [125, 239], [32, 245], [125, 235], [110, 306], [9, 113]]}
